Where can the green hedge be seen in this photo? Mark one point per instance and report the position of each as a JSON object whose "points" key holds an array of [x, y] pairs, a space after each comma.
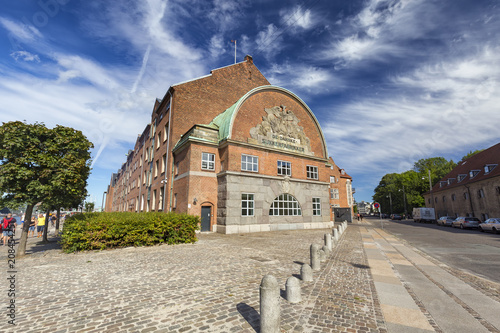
{"points": [[91, 231]]}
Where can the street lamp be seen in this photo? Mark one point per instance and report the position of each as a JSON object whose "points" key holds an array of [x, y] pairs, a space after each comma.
{"points": [[430, 187], [390, 201], [404, 199], [102, 204]]}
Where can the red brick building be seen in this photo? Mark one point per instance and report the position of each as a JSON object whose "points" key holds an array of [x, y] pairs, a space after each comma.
{"points": [[244, 155]]}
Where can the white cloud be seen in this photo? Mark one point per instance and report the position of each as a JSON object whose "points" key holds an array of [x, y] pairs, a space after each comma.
{"points": [[216, 47], [20, 30], [432, 111], [226, 13], [25, 55], [269, 41], [298, 17]]}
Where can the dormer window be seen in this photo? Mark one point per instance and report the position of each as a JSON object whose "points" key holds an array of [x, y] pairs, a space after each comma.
{"points": [[442, 183], [461, 177], [473, 173], [450, 181], [489, 168]]}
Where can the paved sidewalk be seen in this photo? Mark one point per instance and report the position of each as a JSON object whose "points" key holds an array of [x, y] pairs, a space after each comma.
{"points": [[210, 286], [372, 282], [417, 295]]}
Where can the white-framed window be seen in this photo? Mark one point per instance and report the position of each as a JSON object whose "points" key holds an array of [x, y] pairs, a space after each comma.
{"points": [[207, 161], [158, 140], [249, 163], [163, 162], [285, 204], [316, 206], [247, 204], [334, 193], [461, 177], [284, 168], [312, 172], [160, 199], [450, 181], [153, 202], [489, 168], [473, 173], [332, 180], [157, 168]]}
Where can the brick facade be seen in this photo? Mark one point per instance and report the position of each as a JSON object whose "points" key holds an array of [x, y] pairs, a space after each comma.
{"points": [[470, 189], [231, 112]]}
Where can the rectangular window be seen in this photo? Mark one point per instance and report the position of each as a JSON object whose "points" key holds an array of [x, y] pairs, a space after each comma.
{"points": [[207, 161], [332, 179], [175, 201], [335, 192], [480, 193], [163, 162], [153, 202], [284, 168], [165, 133], [145, 177], [160, 200], [331, 193], [158, 141], [157, 167], [176, 168], [247, 204], [453, 197], [249, 163], [316, 207], [312, 172]]}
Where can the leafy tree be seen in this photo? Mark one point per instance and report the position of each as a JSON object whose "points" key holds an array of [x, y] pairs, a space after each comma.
{"points": [[471, 153], [44, 165], [89, 207]]}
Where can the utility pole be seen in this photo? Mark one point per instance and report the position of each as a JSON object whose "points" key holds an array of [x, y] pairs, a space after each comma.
{"points": [[234, 41], [404, 199], [390, 201]]}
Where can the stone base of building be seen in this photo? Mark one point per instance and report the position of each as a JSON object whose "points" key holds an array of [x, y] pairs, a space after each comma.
{"points": [[243, 229]]}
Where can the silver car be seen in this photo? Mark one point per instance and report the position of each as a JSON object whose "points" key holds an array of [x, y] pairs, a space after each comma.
{"points": [[445, 220], [466, 222], [492, 225]]}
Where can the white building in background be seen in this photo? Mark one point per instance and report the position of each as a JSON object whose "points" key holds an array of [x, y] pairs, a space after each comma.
{"points": [[365, 207]]}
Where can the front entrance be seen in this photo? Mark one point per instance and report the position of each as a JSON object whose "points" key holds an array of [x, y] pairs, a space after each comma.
{"points": [[205, 218]]}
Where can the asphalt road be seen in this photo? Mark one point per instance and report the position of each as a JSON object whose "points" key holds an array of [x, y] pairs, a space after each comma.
{"points": [[468, 250]]}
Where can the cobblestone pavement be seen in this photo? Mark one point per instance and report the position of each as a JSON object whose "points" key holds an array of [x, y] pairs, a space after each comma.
{"points": [[210, 286]]}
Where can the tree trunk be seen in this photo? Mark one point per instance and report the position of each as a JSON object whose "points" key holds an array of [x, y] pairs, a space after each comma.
{"points": [[45, 230], [21, 249], [57, 221]]}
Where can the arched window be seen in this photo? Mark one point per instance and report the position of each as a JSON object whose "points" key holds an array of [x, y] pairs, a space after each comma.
{"points": [[285, 204]]}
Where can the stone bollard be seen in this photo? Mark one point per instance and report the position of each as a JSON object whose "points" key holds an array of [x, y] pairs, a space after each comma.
{"points": [[322, 255], [269, 305], [335, 235], [339, 228], [315, 265], [326, 250], [293, 290], [328, 241], [306, 273]]}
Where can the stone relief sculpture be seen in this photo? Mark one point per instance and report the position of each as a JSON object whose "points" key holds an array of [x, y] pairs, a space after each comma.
{"points": [[281, 125]]}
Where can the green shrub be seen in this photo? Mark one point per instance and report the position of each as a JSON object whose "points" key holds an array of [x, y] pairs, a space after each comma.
{"points": [[99, 231]]}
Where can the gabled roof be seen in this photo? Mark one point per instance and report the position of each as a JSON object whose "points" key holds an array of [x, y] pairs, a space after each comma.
{"points": [[477, 162]]}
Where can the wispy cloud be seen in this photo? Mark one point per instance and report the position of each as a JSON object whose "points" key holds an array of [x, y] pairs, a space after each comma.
{"points": [[25, 56], [19, 30], [297, 17], [269, 41]]}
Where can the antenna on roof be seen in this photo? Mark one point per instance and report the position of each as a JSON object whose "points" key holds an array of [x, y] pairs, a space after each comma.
{"points": [[234, 41]]}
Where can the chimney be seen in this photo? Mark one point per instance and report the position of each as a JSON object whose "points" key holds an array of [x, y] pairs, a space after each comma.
{"points": [[249, 59]]}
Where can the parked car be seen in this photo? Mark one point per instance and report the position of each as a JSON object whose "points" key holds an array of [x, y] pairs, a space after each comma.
{"points": [[445, 220], [466, 222], [492, 225], [396, 217]]}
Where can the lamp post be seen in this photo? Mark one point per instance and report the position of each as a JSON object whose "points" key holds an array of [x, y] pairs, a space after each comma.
{"points": [[430, 191], [390, 201], [404, 200], [102, 204]]}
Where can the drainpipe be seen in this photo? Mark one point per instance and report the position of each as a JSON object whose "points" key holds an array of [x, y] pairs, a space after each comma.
{"points": [[470, 200], [141, 175], [168, 154]]}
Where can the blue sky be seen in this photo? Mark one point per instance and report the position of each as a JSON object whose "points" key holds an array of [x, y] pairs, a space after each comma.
{"points": [[390, 81]]}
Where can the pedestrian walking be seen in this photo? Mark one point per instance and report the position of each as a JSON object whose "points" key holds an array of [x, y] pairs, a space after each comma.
{"points": [[53, 220], [8, 223], [32, 227], [40, 225]]}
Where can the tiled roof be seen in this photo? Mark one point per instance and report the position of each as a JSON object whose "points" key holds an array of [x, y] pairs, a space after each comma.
{"points": [[490, 156]]}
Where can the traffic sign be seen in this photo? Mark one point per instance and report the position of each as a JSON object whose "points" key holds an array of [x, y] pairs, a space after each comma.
{"points": [[376, 205]]}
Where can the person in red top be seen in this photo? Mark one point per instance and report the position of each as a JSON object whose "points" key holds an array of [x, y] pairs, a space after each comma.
{"points": [[8, 223]]}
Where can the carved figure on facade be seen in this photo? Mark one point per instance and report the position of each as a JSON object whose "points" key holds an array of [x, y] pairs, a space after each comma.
{"points": [[281, 125]]}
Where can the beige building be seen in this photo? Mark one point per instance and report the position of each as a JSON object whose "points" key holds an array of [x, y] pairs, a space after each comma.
{"points": [[471, 189]]}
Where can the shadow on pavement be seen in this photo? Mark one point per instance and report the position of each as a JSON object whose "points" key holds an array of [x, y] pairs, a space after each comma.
{"points": [[250, 315], [40, 246]]}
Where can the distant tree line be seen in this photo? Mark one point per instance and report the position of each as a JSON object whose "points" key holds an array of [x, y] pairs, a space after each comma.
{"points": [[410, 185]]}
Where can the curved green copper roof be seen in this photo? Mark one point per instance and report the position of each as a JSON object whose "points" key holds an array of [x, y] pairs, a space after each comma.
{"points": [[224, 121]]}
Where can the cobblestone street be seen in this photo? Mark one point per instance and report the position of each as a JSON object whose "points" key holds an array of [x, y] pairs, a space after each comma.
{"points": [[210, 286]]}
